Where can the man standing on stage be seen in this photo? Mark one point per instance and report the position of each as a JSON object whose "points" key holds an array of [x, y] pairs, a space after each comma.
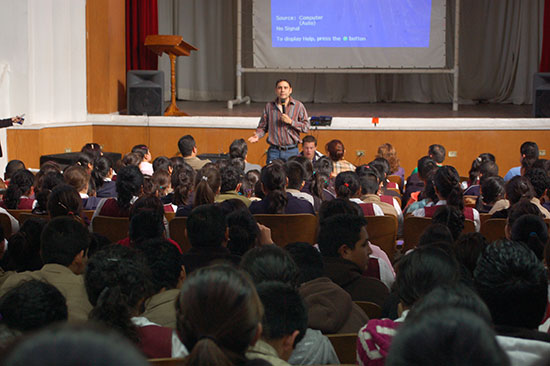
{"points": [[283, 119]]}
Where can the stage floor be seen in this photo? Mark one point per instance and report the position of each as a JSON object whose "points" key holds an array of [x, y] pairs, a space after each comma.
{"points": [[366, 110]]}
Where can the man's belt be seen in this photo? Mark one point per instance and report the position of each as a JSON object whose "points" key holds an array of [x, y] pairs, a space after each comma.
{"points": [[285, 148]]}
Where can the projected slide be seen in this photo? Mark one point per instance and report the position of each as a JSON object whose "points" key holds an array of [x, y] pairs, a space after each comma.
{"points": [[351, 23], [349, 33]]}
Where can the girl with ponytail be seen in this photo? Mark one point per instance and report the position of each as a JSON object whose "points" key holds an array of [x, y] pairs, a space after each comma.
{"points": [[449, 192], [207, 185], [102, 175], [277, 200], [19, 191], [129, 186], [218, 317], [118, 281]]}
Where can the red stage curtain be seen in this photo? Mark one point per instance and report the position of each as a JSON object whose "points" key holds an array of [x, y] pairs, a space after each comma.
{"points": [[141, 20], [545, 57]]}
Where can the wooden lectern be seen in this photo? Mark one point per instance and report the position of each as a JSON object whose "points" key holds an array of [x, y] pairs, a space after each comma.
{"points": [[173, 46]]}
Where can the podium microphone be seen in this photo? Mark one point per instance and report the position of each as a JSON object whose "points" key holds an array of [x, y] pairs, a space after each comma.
{"points": [[283, 104]]}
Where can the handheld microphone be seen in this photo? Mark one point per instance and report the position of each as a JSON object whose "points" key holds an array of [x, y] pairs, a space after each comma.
{"points": [[284, 106]]}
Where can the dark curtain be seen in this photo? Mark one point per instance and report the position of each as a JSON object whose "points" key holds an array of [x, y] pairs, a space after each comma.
{"points": [[545, 57], [141, 20]]}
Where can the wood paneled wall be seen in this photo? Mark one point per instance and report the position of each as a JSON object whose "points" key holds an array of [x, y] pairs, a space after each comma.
{"points": [[106, 55], [29, 145]]}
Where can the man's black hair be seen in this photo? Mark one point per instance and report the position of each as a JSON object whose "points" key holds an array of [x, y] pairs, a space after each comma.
{"points": [[309, 138], [530, 150], [186, 145], [339, 230], [284, 311], [231, 177], [32, 305], [539, 179], [437, 152], [238, 149], [146, 224], [206, 226], [280, 80], [369, 184], [308, 259], [162, 162], [165, 262], [452, 217], [296, 174], [513, 283], [62, 239], [270, 263]]}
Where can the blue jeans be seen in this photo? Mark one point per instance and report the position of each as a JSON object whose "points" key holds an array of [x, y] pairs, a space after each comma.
{"points": [[274, 153]]}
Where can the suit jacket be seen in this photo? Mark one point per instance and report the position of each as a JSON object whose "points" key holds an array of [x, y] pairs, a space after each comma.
{"points": [[5, 123], [68, 283]]}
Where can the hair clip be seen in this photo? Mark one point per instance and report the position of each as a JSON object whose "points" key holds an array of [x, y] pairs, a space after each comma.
{"points": [[346, 184], [204, 178]]}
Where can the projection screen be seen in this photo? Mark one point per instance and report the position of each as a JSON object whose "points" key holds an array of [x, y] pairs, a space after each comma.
{"points": [[349, 33]]}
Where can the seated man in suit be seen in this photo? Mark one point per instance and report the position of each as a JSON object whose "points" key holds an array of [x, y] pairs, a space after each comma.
{"points": [[344, 244], [64, 251], [208, 235], [188, 149], [232, 180]]}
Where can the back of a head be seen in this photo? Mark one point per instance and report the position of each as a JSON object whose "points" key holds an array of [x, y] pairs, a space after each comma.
{"points": [[145, 225], [270, 263], [338, 206], [69, 344], [447, 182], [238, 149], [539, 179], [93, 149], [437, 152], [446, 336], [161, 180], [243, 230], [13, 166], [522, 207], [369, 184], [492, 189], [451, 217], [308, 259], [338, 230], [381, 165], [218, 312], [141, 148], [335, 150], [102, 167], [387, 151], [488, 169], [513, 283], [422, 270], [206, 226], [76, 176], [183, 182], [32, 305], [296, 174], [424, 165], [117, 279], [207, 184], [347, 184], [64, 200], [230, 177], [162, 162], [23, 253], [62, 239], [285, 311], [533, 232], [530, 150], [468, 248], [186, 144], [323, 166], [165, 263], [21, 183], [436, 233], [274, 180], [133, 158], [128, 184]]}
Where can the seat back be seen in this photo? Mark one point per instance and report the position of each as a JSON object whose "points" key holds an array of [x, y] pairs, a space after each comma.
{"points": [[469, 227], [169, 215], [17, 213], [177, 227], [24, 216], [470, 201], [493, 229], [166, 361], [413, 227], [5, 222], [396, 179], [484, 217], [382, 231], [88, 214], [345, 345], [290, 228], [373, 310], [114, 228]]}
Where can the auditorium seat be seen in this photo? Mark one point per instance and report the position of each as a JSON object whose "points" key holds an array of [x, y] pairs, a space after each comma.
{"points": [[177, 227], [114, 228], [373, 310], [166, 361], [413, 227], [345, 345], [290, 228], [493, 229], [382, 231], [396, 179], [5, 222]]}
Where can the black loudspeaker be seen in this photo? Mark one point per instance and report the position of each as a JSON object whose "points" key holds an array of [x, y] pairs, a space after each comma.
{"points": [[541, 95], [66, 159], [145, 92]]}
